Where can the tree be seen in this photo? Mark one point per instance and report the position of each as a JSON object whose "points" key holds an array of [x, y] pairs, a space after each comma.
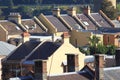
{"points": [[93, 43], [94, 40], [101, 49], [108, 9]]}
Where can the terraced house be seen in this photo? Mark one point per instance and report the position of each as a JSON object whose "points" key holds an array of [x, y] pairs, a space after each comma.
{"points": [[80, 26]]}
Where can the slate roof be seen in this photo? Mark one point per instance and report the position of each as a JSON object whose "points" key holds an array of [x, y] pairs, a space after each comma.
{"points": [[44, 51], [57, 23], [6, 48], [22, 51], [71, 21], [85, 74], [100, 20], [34, 50], [10, 27], [31, 26], [85, 20], [112, 73]]}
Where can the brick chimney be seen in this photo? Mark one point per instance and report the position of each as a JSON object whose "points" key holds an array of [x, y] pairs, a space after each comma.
{"points": [[65, 37], [71, 11], [86, 10], [72, 62], [56, 12], [25, 37], [40, 69], [15, 17], [99, 65]]}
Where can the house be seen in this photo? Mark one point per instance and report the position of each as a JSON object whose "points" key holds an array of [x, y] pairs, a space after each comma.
{"points": [[99, 73], [12, 28], [5, 50], [80, 26], [55, 57]]}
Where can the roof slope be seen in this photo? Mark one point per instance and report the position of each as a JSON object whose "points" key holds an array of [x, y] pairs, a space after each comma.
{"points": [[31, 26], [100, 20], [71, 21], [22, 51], [6, 48], [44, 51], [56, 22], [86, 21], [10, 27], [112, 73]]}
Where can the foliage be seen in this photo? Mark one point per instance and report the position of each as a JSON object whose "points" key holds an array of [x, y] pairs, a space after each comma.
{"points": [[101, 49], [108, 9], [94, 40], [111, 49]]}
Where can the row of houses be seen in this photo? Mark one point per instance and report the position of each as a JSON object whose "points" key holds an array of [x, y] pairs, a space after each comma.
{"points": [[80, 26], [53, 59]]}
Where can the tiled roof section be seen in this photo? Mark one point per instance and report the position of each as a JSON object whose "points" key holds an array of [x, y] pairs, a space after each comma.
{"points": [[112, 73], [69, 77], [10, 27], [70, 21], [44, 51], [22, 51], [56, 22], [6, 48], [85, 20], [31, 26], [100, 20]]}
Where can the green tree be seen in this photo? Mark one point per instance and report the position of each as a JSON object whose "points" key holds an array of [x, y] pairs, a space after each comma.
{"points": [[94, 40], [108, 9], [93, 43], [101, 49]]}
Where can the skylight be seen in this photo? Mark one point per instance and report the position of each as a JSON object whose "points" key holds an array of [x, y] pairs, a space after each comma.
{"points": [[86, 23]]}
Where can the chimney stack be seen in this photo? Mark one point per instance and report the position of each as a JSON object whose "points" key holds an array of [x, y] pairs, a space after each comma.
{"points": [[72, 62], [99, 65], [25, 37], [71, 11], [86, 10], [56, 12], [65, 37], [15, 17], [40, 69]]}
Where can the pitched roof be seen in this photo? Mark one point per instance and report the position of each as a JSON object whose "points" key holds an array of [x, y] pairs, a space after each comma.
{"points": [[112, 73], [44, 51], [85, 74], [57, 23], [23, 50], [85, 20], [100, 20], [71, 21], [10, 27], [6, 48], [31, 26]]}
